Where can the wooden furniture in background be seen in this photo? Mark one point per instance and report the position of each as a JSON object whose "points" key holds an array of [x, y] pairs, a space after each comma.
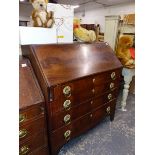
{"points": [[89, 26], [32, 122], [111, 30], [80, 83], [96, 28]]}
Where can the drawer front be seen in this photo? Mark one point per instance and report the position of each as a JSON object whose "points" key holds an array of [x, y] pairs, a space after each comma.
{"points": [[33, 143], [79, 126], [105, 98], [108, 86], [67, 116], [107, 77], [63, 135], [42, 151], [30, 113], [78, 92], [29, 129], [71, 88], [100, 113]]}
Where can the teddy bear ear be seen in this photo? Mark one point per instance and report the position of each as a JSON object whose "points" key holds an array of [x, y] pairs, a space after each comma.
{"points": [[46, 1], [31, 1]]}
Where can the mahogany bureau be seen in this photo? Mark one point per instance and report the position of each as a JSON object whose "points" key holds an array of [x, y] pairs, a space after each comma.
{"points": [[80, 83], [32, 123]]}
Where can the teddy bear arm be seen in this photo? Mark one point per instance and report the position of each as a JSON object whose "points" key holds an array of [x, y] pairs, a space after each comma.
{"points": [[33, 15], [121, 55]]}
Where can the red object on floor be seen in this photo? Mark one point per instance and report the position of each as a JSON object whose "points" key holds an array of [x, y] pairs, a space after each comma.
{"points": [[132, 52]]}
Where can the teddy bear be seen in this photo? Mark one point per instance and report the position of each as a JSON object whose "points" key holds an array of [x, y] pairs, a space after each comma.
{"points": [[40, 16], [81, 33], [125, 52]]}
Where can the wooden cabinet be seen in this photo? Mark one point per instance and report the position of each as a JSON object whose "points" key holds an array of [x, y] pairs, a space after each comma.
{"points": [[32, 120], [80, 83], [111, 30]]}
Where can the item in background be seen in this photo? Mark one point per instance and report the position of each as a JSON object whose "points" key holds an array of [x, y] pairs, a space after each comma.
{"points": [[99, 35], [83, 34], [125, 52], [63, 17], [40, 16], [129, 19]]}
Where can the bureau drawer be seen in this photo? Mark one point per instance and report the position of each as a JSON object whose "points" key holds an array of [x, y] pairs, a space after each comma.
{"points": [[74, 100], [104, 98], [79, 126], [31, 128], [66, 116], [105, 110], [63, 135], [59, 105], [82, 90], [69, 89], [108, 86], [107, 77], [85, 84], [31, 113], [33, 143]]}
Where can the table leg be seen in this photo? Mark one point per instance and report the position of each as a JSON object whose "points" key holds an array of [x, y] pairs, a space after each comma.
{"points": [[127, 80]]}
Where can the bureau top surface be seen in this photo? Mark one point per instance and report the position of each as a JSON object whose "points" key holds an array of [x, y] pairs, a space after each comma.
{"points": [[29, 90], [61, 63]]}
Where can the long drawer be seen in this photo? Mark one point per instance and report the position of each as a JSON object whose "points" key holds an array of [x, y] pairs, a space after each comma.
{"points": [[28, 114], [77, 127], [67, 116], [34, 142], [29, 129]]}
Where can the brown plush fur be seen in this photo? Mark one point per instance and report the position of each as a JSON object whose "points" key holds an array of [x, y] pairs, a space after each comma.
{"points": [[123, 51], [40, 16]]}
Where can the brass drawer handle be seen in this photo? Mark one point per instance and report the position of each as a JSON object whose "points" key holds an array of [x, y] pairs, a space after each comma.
{"points": [[67, 91], [67, 135], [67, 118], [109, 96], [22, 118], [113, 75], [112, 85], [42, 110], [67, 104], [23, 150], [93, 91], [93, 80], [108, 110], [22, 133]]}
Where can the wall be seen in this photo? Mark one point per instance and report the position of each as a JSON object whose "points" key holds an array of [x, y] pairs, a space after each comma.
{"points": [[25, 10], [97, 16]]}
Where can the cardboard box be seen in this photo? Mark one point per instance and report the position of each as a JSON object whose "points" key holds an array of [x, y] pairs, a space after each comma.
{"points": [[63, 15], [37, 35], [61, 32]]}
